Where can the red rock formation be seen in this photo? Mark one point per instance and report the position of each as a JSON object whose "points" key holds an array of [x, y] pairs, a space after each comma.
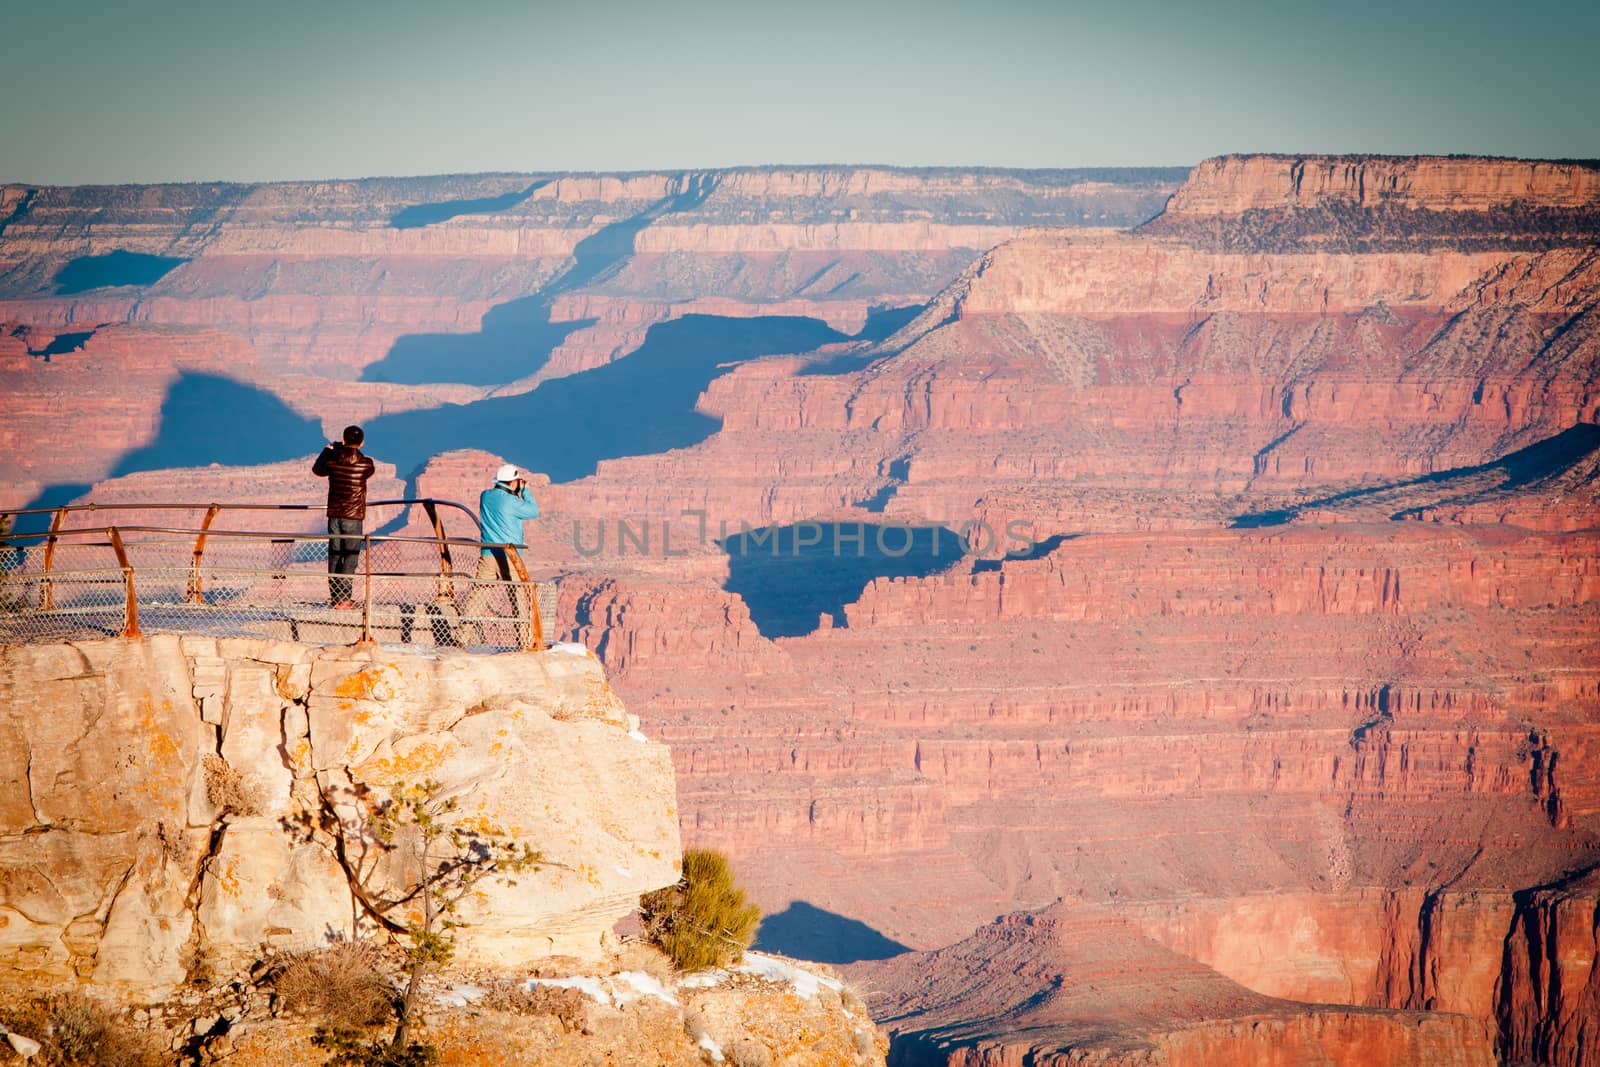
{"points": [[1348, 757], [1072, 986], [69, 419], [1549, 1003], [324, 277], [1231, 185]]}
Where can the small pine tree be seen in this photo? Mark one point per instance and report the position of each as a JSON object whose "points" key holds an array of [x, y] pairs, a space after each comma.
{"points": [[450, 860], [704, 920]]}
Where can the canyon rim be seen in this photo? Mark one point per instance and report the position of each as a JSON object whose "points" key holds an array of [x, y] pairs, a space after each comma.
{"points": [[1263, 727]]}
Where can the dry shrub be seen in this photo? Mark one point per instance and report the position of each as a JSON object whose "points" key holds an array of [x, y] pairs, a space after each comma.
{"points": [[866, 1045], [852, 1000], [341, 984], [229, 790], [77, 1032], [695, 1025], [748, 1053], [704, 920], [569, 1007], [637, 955]]}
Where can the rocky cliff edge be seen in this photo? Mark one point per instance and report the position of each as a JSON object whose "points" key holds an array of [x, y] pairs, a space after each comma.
{"points": [[179, 804]]}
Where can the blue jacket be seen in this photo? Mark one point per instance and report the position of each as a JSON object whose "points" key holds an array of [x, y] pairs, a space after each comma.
{"points": [[501, 512]]}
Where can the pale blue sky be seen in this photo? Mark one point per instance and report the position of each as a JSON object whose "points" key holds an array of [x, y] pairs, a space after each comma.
{"points": [[112, 91]]}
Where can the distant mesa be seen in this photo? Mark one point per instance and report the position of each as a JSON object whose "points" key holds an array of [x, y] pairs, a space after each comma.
{"points": [[1277, 203], [113, 269], [419, 215]]}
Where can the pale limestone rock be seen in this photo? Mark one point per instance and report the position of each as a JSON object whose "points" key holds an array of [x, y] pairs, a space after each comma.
{"points": [[120, 867], [266, 888]]}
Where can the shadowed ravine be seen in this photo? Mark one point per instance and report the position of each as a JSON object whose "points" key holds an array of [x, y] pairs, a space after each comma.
{"points": [[637, 405], [517, 337]]}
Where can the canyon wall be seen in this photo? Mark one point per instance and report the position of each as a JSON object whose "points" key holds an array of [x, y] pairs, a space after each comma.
{"points": [[1375, 203], [438, 291], [1290, 680], [1065, 986]]}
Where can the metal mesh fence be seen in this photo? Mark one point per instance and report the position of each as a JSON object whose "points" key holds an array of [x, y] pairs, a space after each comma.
{"points": [[226, 583]]}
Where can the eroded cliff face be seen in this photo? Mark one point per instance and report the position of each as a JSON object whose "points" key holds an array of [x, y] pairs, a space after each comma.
{"points": [[1067, 986], [1385, 202], [174, 803], [1298, 681], [1232, 185]]}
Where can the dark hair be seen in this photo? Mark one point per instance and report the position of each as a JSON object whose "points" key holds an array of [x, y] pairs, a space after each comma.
{"points": [[354, 436]]}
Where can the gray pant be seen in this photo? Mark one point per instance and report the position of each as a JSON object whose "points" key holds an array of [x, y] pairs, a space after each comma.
{"points": [[495, 567], [344, 553]]}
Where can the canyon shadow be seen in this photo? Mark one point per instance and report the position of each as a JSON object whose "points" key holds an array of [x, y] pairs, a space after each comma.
{"points": [[112, 269], [1548, 458], [517, 337], [789, 576], [804, 931], [207, 418], [419, 215], [641, 404]]}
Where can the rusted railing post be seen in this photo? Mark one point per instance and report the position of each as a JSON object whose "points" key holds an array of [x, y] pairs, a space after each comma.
{"points": [[446, 587], [366, 594], [196, 589], [533, 641], [47, 593], [130, 609]]}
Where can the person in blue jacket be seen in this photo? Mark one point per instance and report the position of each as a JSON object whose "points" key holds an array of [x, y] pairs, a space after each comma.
{"points": [[502, 508]]}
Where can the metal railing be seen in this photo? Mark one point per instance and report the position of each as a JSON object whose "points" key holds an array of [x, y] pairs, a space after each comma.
{"points": [[68, 581]]}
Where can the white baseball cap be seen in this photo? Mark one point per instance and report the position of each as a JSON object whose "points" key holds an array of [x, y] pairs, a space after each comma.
{"points": [[507, 473]]}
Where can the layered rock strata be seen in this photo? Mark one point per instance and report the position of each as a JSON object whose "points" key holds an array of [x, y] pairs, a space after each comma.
{"points": [[1298, 681]]}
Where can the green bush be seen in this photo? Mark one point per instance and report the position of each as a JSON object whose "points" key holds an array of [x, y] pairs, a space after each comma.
{"points": [[704, 920]]}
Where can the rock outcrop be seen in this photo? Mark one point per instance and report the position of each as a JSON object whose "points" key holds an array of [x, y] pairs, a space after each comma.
{"points": [[1377, 203], [179, 803], [1067, 986], [764, 1010]]}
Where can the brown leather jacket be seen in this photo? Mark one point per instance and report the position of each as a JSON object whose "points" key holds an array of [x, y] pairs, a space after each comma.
{"points": [[347, 471]]}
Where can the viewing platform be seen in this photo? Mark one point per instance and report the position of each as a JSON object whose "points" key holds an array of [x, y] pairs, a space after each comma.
{"points": [[260, 570]]}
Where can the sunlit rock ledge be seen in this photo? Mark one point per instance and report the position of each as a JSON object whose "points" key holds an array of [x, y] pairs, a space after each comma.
{"points": [[169, 804]]}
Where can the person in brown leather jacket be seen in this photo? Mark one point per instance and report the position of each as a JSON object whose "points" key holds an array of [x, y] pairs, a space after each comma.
{"points": [[347, 471]]}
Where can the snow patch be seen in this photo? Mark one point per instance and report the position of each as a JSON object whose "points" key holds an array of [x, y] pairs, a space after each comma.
{"points": [[773, 969], [615, 991], [570, 649], [459, 996], [642, 985], [703, 979], [586, 984], [711, 1048], [639, 737]]}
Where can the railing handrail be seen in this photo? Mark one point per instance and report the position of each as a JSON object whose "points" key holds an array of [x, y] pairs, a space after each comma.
{"points": [[76, 536], [273, 536], [66, 509]]}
